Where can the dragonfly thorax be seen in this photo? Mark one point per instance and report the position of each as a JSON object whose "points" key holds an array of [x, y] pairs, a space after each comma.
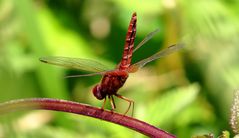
{"points": [[110, 84]]}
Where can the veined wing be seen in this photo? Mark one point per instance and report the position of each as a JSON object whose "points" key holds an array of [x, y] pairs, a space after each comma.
{"points": [[146, 39], [76, 63], [133, 68]]}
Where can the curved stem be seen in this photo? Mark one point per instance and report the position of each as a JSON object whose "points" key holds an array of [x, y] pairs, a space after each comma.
{"points": [[83, 109]]}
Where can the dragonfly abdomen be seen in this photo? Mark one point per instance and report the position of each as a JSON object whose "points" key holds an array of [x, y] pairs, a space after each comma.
{"points": [[129, 44]]}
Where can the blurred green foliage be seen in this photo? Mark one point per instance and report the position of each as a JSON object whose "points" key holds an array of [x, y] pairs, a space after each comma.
{"points": [[187, 93]]}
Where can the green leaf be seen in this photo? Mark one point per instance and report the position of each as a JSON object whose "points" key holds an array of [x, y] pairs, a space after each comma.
{"points": [[167, 106]]}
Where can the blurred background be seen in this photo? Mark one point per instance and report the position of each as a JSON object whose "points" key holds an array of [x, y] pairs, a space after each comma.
{"points": [[187, 93]]}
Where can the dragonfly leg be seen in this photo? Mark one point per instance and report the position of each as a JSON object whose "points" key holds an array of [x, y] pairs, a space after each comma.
{"points": [[103, 105], [112, 102], [128, 100]]}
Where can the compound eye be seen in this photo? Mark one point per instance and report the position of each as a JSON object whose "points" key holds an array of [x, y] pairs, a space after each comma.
{"points": [[97, 92]]}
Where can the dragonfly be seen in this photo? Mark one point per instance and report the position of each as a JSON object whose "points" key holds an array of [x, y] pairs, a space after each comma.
{"points": [[113, 80]]}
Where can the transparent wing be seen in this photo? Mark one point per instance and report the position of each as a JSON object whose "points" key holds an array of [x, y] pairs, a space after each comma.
{"points": [[146, 39], [76, 63], [160, 54]]}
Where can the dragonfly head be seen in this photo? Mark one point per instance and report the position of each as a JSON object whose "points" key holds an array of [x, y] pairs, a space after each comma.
{"points": [[97, 92]]}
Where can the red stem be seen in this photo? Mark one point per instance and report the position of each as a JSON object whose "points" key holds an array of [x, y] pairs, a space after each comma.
{"points": [[82, 109]]}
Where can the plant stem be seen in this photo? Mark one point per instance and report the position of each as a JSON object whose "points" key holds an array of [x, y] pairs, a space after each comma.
{"points": [[83, 109]]}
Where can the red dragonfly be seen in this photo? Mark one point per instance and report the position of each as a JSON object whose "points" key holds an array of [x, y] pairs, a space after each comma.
{"points": [[114, 79]]}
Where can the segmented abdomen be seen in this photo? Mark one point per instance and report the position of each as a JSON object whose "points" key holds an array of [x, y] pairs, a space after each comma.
{"points": [[129, 44]]}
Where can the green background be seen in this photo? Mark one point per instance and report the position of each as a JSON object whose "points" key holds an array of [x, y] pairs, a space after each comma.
{"points": [[187, 93]]}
